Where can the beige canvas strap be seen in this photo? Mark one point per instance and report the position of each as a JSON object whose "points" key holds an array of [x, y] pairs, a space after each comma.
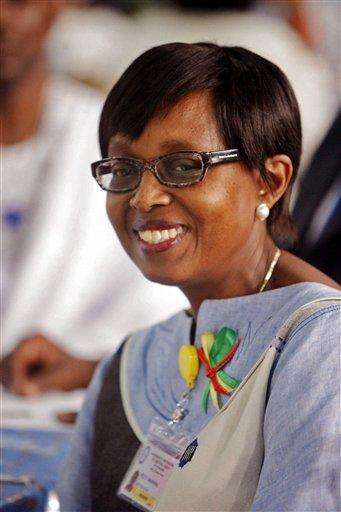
{"points": [[304, 312]]}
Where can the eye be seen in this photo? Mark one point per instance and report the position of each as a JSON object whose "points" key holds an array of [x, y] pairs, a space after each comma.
{"points": [[117, 175], [122, 170], [184, 166]]}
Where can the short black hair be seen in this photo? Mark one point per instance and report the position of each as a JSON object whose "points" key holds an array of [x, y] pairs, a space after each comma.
{"points": [[255, 106]]}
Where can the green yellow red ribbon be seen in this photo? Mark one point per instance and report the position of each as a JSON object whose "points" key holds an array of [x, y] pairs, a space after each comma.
{"points": [[215, 353]]}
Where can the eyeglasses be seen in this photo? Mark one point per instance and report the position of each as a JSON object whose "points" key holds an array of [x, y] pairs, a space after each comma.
{"points": [[180, 169]]}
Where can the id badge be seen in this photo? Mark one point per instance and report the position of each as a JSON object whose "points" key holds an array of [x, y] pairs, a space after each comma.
{"points": [[153, 464]]}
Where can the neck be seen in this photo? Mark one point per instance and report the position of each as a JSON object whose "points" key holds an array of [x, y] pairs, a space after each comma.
{"points": [[22, 105], [239, 279]]}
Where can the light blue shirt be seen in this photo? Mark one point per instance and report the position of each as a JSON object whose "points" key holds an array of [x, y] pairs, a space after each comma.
{"points": [[300, 469]]}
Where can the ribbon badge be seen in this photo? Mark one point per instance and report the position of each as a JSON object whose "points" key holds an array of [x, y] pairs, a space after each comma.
{"points": [[215, 353]]}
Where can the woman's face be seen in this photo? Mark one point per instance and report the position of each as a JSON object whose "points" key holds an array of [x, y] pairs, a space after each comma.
{"points": [[213, 219]]}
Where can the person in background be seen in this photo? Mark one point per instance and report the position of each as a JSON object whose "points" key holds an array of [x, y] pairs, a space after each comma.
{"points": [[68, 292], [317, 211], [317, 23], [317, 204]]}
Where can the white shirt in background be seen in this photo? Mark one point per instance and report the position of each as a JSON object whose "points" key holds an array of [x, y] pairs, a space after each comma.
{"points": [[64, 271]]}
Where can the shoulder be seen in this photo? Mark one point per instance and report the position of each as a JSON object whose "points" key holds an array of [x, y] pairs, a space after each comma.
{"points": [[307, 365], [315, 327], [304, 392], [267, 312], [301, 415], [285, 300], [317, 331]]}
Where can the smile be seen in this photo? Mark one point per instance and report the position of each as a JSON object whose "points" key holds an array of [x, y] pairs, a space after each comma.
{"points": [[158, 240], [156, 236]]}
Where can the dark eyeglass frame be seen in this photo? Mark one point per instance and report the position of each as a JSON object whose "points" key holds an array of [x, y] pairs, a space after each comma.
{"points": [[208, 158]]}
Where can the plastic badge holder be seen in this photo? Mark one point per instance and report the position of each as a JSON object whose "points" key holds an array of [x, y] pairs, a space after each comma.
{"points": [[153, 464]]}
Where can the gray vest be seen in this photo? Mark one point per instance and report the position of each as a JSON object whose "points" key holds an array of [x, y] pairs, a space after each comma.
{"points": [[114, 445]]}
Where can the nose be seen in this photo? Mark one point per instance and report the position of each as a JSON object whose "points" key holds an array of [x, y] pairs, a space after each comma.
{"points": [[150, 193]]}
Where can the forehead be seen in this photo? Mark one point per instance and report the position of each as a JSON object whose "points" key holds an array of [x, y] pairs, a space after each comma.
{"points": [[190, 124]]}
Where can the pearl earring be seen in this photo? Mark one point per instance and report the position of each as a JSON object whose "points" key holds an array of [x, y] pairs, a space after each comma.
{"points": [[262, 211]]}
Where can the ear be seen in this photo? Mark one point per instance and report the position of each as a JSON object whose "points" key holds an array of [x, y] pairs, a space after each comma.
{"points": [[280, 169]]}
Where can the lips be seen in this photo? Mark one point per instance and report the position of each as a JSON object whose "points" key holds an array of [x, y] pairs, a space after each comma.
{"points": [[158, 236]]}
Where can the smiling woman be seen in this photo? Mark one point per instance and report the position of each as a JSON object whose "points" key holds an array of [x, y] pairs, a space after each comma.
{"points": [[200, 147]]}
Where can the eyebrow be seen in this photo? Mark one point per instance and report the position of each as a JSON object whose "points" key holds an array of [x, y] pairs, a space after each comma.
{"points": [[177, 145], [168, 146], [120, 147]]}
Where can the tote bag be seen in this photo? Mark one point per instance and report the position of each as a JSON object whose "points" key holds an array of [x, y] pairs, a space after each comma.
{"points": [[223, 474]]}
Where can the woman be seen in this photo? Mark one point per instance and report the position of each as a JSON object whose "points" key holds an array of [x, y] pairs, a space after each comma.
{"points": [[206, 217]]}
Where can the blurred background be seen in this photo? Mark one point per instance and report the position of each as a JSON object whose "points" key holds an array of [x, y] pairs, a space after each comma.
{"points": [[68, 293]]}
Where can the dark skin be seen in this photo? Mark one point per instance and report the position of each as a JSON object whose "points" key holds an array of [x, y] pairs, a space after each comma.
{"points": [[36, 364], [221, 228], [226, 250], [24, 27]]}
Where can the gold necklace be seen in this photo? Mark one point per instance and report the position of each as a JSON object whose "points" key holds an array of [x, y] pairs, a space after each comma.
{"points": [[188, 355], [270, 270], [267, 277]]}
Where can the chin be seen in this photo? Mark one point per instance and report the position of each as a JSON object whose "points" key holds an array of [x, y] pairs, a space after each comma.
{"points": [[165, 276], [158, 269], [162, 278]]}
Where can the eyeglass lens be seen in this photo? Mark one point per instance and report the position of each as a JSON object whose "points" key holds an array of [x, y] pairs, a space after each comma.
{"points": [[183, 169], [119, 175]]}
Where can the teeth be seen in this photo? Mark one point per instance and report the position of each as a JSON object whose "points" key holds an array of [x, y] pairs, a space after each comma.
{"points": [[165, 235], [146, 236], [156, 236]]}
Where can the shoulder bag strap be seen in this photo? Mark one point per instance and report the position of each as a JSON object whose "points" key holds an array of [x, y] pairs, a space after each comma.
{"points": [[302, 313]]}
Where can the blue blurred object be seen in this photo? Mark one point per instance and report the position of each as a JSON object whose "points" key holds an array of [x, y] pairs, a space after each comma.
{"points": [[13, 218], [30, 461]]}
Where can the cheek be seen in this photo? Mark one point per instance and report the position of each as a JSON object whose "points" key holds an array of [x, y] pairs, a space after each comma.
{"points": [[224, 216], [110, 207], [30, 20], [116, 211], [226, 205]]}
